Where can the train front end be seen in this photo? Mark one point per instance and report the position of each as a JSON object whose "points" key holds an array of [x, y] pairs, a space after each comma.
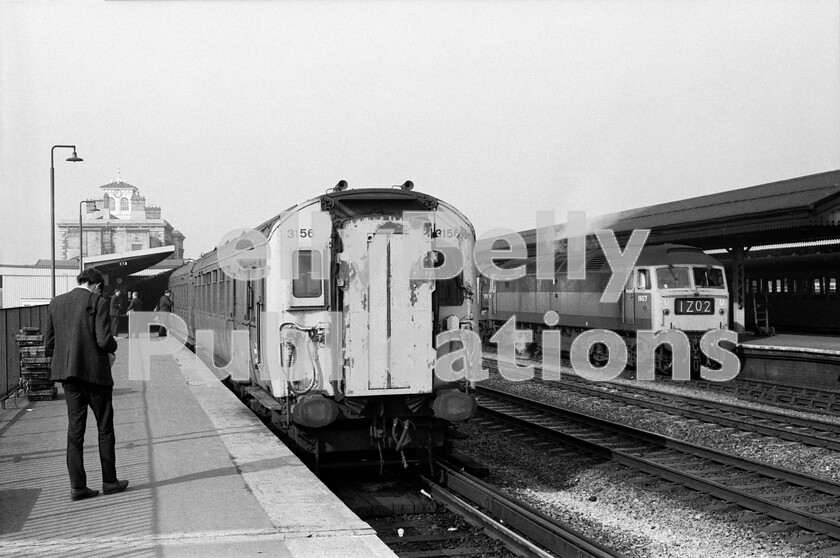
{"points": [[688, 292], [358, 322]]}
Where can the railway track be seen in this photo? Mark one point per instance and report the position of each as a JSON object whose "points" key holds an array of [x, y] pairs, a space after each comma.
{"points": [[797, 398], [521, 528], [513, 521], [461, 515], [816, 433], [788, 397], [792, 498]]}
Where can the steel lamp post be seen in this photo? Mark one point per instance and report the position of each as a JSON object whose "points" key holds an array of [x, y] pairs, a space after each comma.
{"points": [[73, 159], [82, 234]]}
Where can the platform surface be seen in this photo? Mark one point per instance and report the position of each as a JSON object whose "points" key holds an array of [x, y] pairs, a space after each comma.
{"points": [[801, 342], [207, 479]]}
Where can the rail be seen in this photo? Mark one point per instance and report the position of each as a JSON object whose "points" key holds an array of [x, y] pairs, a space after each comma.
{"points": [[500, 512], [769, 423], [708, 471]]}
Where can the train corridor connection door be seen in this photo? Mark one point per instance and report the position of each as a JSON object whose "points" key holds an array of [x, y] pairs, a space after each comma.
{"points": [[388, 318]]}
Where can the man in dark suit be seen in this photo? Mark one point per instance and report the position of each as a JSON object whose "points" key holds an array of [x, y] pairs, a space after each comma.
{"points": [[116, 311], [78, 337], [164, 305]]}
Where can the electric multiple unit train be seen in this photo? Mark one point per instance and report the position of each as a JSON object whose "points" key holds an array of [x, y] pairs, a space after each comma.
{"points": [[330, 308]]}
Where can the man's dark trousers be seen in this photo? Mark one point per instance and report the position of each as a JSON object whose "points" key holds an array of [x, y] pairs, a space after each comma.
{"points": [[79, 395]]}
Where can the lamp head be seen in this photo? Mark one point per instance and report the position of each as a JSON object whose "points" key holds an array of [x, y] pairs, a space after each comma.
{"points": [[407, 185], [74, 158], [341, 186]]}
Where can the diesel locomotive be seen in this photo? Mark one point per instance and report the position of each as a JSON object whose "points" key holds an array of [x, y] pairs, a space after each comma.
{"points": [[670, 287], [333, 309]]}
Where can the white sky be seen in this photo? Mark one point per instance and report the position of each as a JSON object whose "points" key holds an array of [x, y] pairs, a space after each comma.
{"points": [[226, 113]]}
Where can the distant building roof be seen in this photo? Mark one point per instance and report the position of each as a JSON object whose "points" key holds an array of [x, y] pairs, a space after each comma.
{"points": [[118, 184]]}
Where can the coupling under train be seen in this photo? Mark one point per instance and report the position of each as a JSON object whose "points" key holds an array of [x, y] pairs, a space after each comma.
{"points": [[338, 335], [670, 287]]}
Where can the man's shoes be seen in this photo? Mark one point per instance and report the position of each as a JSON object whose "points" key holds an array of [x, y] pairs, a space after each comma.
{"points": [[114, 487], [82, 493]]}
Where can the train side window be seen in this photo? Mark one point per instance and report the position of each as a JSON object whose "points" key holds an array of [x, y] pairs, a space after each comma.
{"points": [[643, 279], [832, 285], [817, 285], [249, 300], [307, 290]]}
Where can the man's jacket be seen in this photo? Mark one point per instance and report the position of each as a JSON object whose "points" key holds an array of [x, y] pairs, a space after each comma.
{"points": [[78, 337]]}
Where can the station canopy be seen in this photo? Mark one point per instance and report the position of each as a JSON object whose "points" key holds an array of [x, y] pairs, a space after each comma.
{"points": [[127, 263], [803, 209]]}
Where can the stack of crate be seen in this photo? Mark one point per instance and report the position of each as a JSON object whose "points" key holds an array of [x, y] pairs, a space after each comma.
{"points": [[35, 365]]}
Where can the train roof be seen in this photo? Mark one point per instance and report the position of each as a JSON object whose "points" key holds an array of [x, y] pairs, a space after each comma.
{"points": [[358, 202], [351, 203], [674, 254], [662, 254]]}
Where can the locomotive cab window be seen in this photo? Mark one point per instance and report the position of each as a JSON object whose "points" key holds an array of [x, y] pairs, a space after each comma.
{"points": [[307, 286], [708, 277], [672, 277]]}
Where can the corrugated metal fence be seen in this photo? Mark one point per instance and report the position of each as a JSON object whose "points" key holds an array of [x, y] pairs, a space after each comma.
{"points": [[11, 320]]}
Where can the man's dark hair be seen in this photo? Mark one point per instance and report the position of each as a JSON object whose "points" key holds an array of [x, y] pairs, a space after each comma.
{"points": [[91, 275]]}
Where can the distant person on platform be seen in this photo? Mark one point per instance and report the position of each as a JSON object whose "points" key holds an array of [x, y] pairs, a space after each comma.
{"points": [[135, 305], [164, 305], [78, 337], [116, 312]]}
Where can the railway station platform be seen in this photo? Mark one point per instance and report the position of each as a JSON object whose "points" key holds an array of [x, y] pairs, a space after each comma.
{"points": [[800, 360], [207, 478]]}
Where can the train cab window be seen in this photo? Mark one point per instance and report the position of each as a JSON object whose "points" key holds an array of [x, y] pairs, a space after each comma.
{"points": [[308, 269], [708, 277], [672, 277], [643, 279]]}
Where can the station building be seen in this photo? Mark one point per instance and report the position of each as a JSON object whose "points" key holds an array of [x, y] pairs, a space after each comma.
{"points": [[118, 222], [123, 237]]}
